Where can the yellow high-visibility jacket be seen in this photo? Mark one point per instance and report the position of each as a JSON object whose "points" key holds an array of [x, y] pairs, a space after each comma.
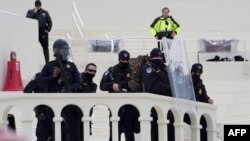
{"points": [[162, 24]]}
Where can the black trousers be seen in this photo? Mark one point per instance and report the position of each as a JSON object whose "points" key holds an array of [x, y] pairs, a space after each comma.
{"points": [[160, 35], [154, 125], [128, 124], [72, 130], [44, 41], [129, 133], [44, 130], [171, 128], [203, 132]]}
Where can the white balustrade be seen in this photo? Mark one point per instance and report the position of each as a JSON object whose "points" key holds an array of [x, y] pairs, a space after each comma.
{"points": [[142, 101]]}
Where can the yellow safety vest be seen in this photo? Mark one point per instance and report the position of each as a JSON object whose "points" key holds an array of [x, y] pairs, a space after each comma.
{"points": [[161, 24]]}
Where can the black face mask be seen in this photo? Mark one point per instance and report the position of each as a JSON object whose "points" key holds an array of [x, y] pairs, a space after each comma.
{"points": [[90, 76], [157, 62], [124, 65]]}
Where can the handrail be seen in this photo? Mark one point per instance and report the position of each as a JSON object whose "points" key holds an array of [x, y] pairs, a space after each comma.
{"points": [[9, 13], [142, 101]]}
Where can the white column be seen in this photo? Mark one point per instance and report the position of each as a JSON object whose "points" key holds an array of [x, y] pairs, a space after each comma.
{"points": [[3, 122], [27, 127], [57, 121], [115, 134], [145, 128], [86, 129], [3, 118], [195, 133], [211, 134], [163, 129], [179, 131]]}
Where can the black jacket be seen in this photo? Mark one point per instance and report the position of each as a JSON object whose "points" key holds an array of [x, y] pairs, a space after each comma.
{"points": [[73, 77], [87, 86], [33, 85], [117, 75], [200, 90], [43, 17], [155, 79]]}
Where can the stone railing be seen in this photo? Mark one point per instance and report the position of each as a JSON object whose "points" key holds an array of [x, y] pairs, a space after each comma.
{"points": [[144, 102]]}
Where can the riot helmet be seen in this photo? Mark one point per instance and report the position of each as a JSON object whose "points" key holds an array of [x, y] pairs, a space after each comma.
{"points": [[61, 48]]}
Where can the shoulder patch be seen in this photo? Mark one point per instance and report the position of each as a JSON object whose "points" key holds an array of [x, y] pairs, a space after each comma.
{"points": [[149, 70]]}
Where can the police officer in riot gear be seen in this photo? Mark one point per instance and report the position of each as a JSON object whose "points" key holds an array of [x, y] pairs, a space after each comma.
{"points": [[62, 76], [116, 79], [155, 76], [45, 25]]}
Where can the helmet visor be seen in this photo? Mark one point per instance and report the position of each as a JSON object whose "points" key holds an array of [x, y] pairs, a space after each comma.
{"points": [[65, 54]]}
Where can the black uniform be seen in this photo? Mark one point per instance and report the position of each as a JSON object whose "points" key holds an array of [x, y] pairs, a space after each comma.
{"points": [[66, 80], [199, 87], [45, 25], [200, 94], [34, 85], [200, 90], [53, 84], [45, 126], [87, 84], [155, 79], [129, 123], [116, 74], [121, 75]]}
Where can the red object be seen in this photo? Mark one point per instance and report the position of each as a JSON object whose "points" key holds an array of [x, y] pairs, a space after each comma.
{"points": [[13, 81]]}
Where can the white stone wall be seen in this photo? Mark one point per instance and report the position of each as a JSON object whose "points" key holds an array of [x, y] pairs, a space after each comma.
{"points": [[20, 35], [133, 17]]}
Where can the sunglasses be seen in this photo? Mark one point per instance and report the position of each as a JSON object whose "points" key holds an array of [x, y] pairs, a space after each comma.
{"points": [[90, 70]]}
